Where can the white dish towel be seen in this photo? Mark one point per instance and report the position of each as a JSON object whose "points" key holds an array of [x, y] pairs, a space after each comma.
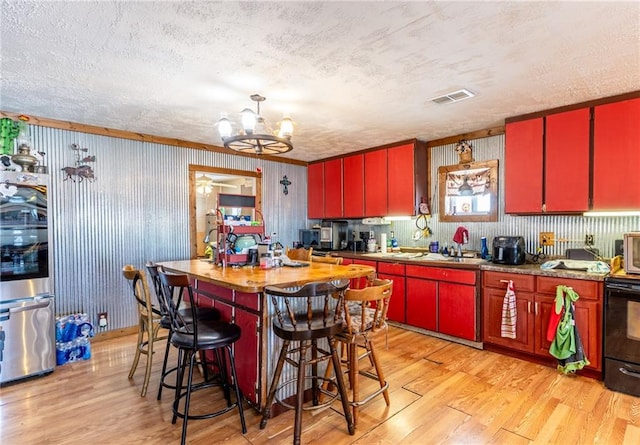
{"points": [[509, 315]]}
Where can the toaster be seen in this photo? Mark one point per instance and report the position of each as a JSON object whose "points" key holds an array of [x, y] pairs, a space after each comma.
{"points": [[508, 250]]}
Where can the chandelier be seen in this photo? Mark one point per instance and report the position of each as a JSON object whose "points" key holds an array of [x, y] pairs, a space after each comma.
{"points": [[256, 135]]}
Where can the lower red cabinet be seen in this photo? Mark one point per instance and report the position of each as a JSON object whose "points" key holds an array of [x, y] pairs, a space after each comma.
{"points": [[422, 303], [457, 310]]}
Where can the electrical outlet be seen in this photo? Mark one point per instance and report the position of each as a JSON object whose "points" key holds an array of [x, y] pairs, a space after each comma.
{"points": [[589, 240], [547, 238], [102, 320]]}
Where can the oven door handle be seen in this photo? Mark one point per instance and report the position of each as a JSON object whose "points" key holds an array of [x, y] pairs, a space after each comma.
{"points": [[630, 373]]}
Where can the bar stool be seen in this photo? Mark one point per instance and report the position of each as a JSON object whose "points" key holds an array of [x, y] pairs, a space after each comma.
{"points": [[302, 317], [365, 315], [198, 338], [204, 314], [148, 323]]}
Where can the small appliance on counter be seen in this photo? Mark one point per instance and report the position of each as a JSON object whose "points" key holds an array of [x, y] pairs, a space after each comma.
{"points": [[332, 234], [309, 238], [631, 252], [508, 250]]}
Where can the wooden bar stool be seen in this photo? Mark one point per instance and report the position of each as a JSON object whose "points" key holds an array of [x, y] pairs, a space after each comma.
{"points": [[204, 314], [365, 315], [149, 325], [302, 318], [197, 338]]}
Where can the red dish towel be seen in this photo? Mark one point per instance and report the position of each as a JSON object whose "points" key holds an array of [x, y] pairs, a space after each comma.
{"points": [[461, 236], [509, 315]]}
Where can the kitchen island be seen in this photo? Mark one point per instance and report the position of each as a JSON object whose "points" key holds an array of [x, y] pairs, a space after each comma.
{"points": [[238, 293]]}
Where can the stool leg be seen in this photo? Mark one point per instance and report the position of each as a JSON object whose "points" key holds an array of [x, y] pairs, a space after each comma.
{"points": [[187, 400], [379, 372], [182, 364], [302, 364], [164, 364], [354, 374], [232, 365], [266, 414], [314, 372], [151, 335], [341, 388], [136, 358]]}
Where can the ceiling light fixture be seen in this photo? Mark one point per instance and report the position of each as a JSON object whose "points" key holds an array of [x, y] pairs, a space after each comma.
{"points": [[255, 134]]}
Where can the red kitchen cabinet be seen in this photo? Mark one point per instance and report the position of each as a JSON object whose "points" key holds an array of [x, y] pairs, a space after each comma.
{"points": [[535, 299], [401, 179], [353, 183], [315, 190], [375, 183], [422, 303], [397, 306], [333, 188], [359, 283], [457, 310], [616, 182], [566, 165], [523, 166]]}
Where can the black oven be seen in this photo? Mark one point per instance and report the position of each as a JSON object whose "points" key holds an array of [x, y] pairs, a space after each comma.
{"points": [[622, 335]]}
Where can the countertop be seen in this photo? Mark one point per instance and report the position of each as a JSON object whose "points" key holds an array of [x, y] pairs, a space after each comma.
{"points": [[475, 264], [255, 279]]}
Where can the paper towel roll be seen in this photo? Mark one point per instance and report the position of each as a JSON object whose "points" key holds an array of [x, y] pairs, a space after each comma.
{"points": [[383, 243]]}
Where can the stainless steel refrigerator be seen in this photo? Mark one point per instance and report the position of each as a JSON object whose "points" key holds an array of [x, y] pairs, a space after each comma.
{"points": [[27, 309]]}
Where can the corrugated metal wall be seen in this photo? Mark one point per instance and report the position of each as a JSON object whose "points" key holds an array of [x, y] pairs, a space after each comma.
{"points": [[137, 210], [573, 228]]}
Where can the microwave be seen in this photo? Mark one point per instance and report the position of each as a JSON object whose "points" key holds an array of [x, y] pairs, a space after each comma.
{"points": [[631, 252], [309, 238]]}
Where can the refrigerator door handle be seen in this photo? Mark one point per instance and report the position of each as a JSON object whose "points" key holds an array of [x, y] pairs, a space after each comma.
{"points": [[30, 307]]}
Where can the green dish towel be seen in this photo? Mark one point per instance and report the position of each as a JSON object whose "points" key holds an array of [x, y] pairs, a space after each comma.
{"points": [[566, 345]]}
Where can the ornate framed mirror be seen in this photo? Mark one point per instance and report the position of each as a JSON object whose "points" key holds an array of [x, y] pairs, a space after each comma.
{"points": [[468, 192]]}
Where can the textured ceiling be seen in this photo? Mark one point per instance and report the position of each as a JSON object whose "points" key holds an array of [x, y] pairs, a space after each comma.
{"points": [[351, 74]]}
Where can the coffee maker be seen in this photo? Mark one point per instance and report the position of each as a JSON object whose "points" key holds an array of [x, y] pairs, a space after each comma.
{"points": [[333, 234]]}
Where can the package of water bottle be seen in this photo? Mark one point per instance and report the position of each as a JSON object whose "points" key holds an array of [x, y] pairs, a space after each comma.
{"points": [[72, 338]]}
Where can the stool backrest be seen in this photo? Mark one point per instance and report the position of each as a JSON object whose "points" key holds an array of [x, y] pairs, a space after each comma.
{"points": [[153, 271], [366, 308], [299, 254], [140, 290], [327, 259], [174, 287], [314, 305]]}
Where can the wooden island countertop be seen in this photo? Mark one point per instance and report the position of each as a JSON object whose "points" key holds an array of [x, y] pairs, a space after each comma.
{"points": [[253, 279]]}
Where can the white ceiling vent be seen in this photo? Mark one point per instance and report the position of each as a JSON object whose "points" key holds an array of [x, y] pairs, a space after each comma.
{"points": [[454, 96]]}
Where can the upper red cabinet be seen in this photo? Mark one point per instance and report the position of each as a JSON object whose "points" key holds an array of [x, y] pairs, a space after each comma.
{"points": [[382, 181], [315, 190], [547, 164], [616, 182], [353, 183], [566, 163], [333, 188], [574, 161], [523, 166], [375, 183]]}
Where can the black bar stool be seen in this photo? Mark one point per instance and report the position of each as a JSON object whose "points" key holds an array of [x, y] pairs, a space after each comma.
{"points": [[203, 313], [305, 316], [197, 338]]}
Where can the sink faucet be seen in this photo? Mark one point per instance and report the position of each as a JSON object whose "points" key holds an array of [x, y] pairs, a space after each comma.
{"points": [[207, 238]]}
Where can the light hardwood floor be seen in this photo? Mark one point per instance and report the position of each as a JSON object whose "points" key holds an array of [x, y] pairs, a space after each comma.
{"points": [[441, 392]]}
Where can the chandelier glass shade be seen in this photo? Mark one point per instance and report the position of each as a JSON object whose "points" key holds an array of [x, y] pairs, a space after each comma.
{"points": [[255, 135]]}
